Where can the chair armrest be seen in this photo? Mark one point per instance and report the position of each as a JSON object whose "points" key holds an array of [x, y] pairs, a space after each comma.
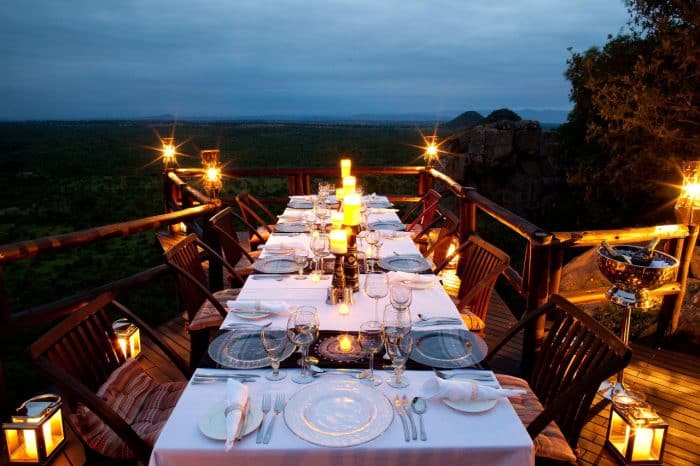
{"points": [[202, 288], [491, 277]]}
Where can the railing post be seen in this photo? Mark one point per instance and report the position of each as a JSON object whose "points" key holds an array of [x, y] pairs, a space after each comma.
{"points": [[467, 218], [540, 251]]}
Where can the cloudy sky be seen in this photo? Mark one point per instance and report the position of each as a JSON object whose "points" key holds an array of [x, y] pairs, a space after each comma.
{"points": [[130, 58]]}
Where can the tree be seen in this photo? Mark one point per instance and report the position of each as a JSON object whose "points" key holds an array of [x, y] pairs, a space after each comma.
{"points": [[637, 103]]}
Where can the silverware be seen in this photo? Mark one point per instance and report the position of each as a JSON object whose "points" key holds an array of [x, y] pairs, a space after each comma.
{"points": [[397, 406], [483, 376], [279, 278], [279, 407], [225, 374], [244, 418], [407, 409], [203, 380], [236, 325], [266, 406], [419, 406], [436, 322]]}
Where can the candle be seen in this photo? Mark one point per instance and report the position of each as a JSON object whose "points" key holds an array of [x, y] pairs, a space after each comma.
{"points": [[336, 220], [345, 343], [349, 183], [339, 192], [351, 209], [345, 165], [343, 309], [339, 241]]}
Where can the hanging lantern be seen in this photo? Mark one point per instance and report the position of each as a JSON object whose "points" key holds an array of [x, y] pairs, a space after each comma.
{"points": [[168, 151], [636, 434], [212, 172], [128, 338], [35, 434]]}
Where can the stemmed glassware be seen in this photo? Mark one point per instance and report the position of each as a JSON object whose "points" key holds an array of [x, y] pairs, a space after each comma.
{"points": [[396, 325], [320, 247], [300, 259], [275, 341], [400, 296], [398, 350], [323, 213], [374, 239], [377, 287], [371, 340], [302, 330]]}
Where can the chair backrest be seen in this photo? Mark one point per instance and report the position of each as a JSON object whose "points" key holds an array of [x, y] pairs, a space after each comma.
{"points": [[222, 224], [254, 212], [423, 212], [184, 259], [479, 267], [577, 355], [78, 355]]}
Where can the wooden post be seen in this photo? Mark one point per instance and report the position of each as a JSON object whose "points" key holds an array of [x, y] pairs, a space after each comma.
{"points": [[537, 295], [557, 266], [467, 218]]}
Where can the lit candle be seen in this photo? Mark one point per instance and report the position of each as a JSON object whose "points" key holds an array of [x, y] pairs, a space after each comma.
{"points": [[345, 165], [343, 309], [349, 183], [337, 220], [351, 209], [339, 241], [339, 192], [345, 343]]}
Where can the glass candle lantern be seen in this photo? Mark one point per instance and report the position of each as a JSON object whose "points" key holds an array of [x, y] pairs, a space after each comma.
{"points": [[688, 202], [128, 338], [168, 151], [636, 434], [35, 434]]}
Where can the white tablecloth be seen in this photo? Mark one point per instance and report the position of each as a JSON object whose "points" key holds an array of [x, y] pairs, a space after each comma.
{"points": [[494, 437]]}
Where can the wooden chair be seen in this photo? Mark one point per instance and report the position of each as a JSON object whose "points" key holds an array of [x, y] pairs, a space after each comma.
{"points": [[444, 224], [204, 309], [234, 252], [479, 266], [259, 220], [116, 409], [578, 353], [422, 213]]}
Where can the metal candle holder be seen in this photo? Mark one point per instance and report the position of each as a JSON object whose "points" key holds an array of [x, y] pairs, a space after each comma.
{"points": [[350, 266]]}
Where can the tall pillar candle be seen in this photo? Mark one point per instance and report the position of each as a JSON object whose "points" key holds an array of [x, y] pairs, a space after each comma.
{"points": [[339, 241], [351, 209], [345, 165], [349, 183]]}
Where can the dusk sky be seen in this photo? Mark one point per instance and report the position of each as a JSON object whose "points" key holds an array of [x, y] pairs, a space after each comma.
{"points": [[239, 58]]}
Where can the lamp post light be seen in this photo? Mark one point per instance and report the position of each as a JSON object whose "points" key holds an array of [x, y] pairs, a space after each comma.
{"points": [[168, 151], [431, 154], [212, 172], [688, 201]]}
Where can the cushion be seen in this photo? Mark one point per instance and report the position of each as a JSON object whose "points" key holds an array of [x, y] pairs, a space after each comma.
{"points": [[473, 322], [208, 316], [141, 401], [550, 443]]}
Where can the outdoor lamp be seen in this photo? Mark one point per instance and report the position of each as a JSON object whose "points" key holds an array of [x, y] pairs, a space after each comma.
{"points": [[168, 152], [689, 199], [35, 434], [431, 150], [636, 434], [128, 338], [212, 172]]}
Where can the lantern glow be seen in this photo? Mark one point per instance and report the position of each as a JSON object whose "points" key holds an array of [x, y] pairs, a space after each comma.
{"points": [[689, 198], [636, 434], [345, 343], [168, 151], [34, 437], [128, 338]]}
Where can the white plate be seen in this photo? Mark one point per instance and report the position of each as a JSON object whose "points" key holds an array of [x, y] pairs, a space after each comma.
{"points": [[300, 204], [405, 263], [470, 406], [275, 264], [382, 225], [291, 227], [338, 413], [212, 422]]}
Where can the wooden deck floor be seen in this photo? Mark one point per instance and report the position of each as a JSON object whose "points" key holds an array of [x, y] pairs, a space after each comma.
{"points": [[670, 380]]}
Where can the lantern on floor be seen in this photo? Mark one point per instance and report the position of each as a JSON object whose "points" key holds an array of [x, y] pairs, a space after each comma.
{"points": [[688, 201], [35, 434], [128, 338], [636, 434], [168, 151], [212, 171]]}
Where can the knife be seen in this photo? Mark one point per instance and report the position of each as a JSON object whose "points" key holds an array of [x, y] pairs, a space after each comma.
{"points": [[397, 405], [407, 409]]}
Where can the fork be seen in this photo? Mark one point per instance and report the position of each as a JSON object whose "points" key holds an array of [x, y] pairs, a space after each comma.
{"points": [[485, 377], [279, 406], [266, 406]]}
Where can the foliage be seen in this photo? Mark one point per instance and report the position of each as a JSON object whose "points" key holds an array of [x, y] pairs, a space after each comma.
{"points": [[636, 112], [611, 315]]}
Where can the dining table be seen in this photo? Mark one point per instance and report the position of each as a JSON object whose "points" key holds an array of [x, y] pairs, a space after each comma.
{"points": [[338, 419]]}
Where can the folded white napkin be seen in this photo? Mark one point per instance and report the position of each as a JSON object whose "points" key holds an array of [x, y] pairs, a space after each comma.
{"points": [[236, 405], [257, 305], [281, 246], [413, 278], [380, 210], [467, 390], [389, 218]]}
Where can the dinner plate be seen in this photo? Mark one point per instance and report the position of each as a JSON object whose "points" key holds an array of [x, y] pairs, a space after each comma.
{"points": [[291, 227], [300, 204], [446, 348], [275, 264], [212, 422], [405, 263], [384, 225], [243, 349], [338, 413], [470, 406]]}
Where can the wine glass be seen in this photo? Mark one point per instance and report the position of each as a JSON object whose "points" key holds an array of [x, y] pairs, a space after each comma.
{"points": [[274, 340], [371, 340], [398, 350], [377, 287], [300, 259], [320, 247], [322, 213], [302, 330], [396, 322], [400, 296], [371, 239]]}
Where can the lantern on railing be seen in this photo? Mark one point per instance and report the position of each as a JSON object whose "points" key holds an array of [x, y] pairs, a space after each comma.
{"points": [[431, 153], [636, 434], [35, 434], [168, 151], [212, 172], [688, 201], [128, 338]]}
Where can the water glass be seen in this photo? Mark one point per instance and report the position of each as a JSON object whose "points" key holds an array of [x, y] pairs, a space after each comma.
{"points": [[275, 342], [302, 330], [377, 287], [400, 295], [323, 213], [399, 349], [371, 340], [320, 247], [396, 322], [300, 258]]}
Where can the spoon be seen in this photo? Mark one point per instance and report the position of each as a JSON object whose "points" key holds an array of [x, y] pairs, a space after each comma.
{"points": [[419, 406], [355, 373]]}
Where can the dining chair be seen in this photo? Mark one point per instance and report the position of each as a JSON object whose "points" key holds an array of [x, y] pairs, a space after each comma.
{"points": [[422, 213], [205, 311], [479, 266], [116, 408], [234, 252], [445, 223], [258, 218], [577, 354]]}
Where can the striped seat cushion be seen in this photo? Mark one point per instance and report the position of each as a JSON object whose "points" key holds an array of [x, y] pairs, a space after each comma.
{"points": [[138, 399], [208, 316], [550, 443]]}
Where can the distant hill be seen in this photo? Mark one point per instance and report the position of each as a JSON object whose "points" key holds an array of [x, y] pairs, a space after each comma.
{"points": [[468, 118]]}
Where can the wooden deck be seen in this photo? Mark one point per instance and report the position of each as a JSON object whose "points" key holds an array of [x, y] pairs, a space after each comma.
{"points": [[670, 380]]}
